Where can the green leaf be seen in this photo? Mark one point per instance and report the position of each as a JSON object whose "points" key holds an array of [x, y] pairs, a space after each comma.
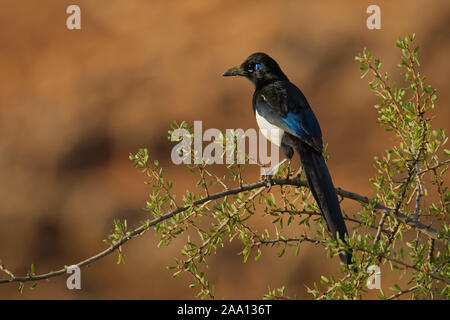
{"points": [[20, 289], [377, 63]]}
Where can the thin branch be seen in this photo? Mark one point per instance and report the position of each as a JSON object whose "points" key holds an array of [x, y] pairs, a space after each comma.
{"points": [[333, 287], [398, 294], [9, 273], [380, 228], [419, 195], [432, 233], [440, 164], [384, 256], [138, 231], [288, 240], [316, 213]]}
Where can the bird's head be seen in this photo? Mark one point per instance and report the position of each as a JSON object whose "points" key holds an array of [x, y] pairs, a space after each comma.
{"points": [[259, 68]]}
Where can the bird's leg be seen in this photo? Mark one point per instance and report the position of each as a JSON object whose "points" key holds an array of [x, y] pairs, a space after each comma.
{"points": [[288, 152], [268, 173], [269, 182], [288, 169]]}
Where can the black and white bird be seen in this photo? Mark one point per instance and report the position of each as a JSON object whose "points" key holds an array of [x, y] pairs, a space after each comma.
{"points": [[286, 119]]}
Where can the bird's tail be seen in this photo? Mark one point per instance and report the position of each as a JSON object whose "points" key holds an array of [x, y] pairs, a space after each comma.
{"points": [[323, 190]]}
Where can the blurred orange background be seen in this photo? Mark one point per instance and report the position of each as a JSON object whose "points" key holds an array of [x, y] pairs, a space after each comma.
{"points": [[75, 103]]}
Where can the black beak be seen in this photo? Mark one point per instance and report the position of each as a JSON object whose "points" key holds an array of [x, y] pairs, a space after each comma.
{"points": [[236, 71]]}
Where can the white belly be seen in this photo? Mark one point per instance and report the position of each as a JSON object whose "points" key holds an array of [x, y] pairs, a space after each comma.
{"points": [[271, 132]]}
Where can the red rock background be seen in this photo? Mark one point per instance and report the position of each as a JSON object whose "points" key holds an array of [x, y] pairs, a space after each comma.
{"points": [[74, 104]]}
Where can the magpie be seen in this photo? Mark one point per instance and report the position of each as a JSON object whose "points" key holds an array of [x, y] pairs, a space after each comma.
{"points": [[285, 118]]}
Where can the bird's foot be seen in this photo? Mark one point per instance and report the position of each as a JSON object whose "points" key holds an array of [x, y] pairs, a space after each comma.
{"points": [[269, 182], [270, 172], [298, 174], [267, 175]]}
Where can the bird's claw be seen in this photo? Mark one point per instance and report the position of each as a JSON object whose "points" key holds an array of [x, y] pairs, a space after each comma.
{"points": [[269, 182]]}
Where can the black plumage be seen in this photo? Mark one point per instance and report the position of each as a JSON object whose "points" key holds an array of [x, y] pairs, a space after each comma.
{"points": [[279, 105]]}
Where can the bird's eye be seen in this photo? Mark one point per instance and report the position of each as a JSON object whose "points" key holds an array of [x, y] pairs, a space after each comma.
{"points": [[254, 67]]}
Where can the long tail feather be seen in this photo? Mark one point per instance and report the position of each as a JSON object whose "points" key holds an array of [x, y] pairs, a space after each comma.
{"points": [[324, 193]]}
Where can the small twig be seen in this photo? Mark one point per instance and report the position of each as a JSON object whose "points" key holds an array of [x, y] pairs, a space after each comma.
{"points": [[316, 213], [419, 193], [9, 273], [440, 164], [384, 256], [380, 228], [201, 171], [398, 294], [333, 287], [166, 189], [431, 250], [288, 240]]}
